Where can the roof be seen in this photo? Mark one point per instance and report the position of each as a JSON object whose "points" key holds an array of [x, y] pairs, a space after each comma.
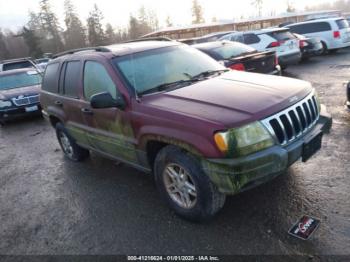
{"points": [[317, 20], [118, 49], [17, 71]]}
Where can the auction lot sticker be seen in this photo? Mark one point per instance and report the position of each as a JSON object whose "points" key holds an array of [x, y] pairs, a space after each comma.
{"points": [[305, 227]]}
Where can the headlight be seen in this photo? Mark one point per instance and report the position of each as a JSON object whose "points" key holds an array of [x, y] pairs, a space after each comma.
{"points": [[244, 140], [4, 103]]}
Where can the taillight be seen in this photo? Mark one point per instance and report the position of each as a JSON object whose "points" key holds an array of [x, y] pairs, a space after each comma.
{"points": [[238, 67], [336, 34], [274, 44]]}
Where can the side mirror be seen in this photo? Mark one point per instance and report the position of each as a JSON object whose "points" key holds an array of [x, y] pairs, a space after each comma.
{"points": [[105, 100]]}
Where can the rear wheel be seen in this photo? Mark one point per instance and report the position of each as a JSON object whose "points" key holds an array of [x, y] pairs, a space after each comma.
{"points": [[325, 48], [69, 147], [184, 186]]}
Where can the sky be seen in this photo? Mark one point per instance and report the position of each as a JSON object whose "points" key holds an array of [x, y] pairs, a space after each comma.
{"points": [[14, 13]]}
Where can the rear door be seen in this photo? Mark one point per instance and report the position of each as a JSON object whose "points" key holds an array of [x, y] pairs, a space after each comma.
{"points": [[70, 84], [109, 130]]}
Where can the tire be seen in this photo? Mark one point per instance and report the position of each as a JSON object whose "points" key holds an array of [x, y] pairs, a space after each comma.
{"points": [[333, 51], [325, 48], [70, 149], [207, 200]]}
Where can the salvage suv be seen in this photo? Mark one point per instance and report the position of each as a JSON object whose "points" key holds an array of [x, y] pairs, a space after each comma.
{"points": [[166, 108]]}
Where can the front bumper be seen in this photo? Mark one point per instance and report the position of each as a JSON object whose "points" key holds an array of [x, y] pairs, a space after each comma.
{"points": [[18, 112], [291, 59], [232, 176]]}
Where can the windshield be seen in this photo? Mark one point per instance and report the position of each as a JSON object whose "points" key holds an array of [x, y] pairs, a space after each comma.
{"points": [[342, 23], [227, 51], [149, 69], [282, 35], [29, 78]]}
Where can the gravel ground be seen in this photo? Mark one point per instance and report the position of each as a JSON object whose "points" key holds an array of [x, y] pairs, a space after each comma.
{"points": [[49, 205]]}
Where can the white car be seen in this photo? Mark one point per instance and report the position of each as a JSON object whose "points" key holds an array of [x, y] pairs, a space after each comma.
{"points": [[280, 40], [334, 33]]}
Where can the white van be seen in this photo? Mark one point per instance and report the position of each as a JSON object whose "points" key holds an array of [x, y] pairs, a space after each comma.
{"points": [[334, 33]]}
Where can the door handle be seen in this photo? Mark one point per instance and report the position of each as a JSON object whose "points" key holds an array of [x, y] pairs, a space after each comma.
{"points": [[87, 111], [58, 103]]}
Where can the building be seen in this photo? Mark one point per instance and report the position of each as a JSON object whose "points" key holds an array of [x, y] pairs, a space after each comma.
{"points": [[198, 30]]}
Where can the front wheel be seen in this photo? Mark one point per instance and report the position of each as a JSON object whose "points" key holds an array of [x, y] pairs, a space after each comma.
{"points": [[69, 147], [184, 186]]}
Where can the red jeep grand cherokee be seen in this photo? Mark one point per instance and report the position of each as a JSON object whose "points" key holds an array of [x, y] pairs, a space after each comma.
{"points": [[168, 109]]}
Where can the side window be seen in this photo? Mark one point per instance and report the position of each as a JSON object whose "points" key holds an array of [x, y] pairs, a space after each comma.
{"points": [[71, 79], [97, 80], [251, 39], [50, 81]]}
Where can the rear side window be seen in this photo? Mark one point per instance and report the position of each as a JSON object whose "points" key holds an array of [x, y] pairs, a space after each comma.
{"points": [[311, 28], [17, 65], [50, 81], [251, 39], [342, 23], [282, 36], [97, 80], [71, 79]]}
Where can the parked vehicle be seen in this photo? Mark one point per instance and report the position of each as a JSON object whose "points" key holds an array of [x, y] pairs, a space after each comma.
{"points": [[334, 33], [204, 39], [279, 40], [41, 63], [241, 57], [309, 46], [12, 64], [166, 108], [19, 94]]}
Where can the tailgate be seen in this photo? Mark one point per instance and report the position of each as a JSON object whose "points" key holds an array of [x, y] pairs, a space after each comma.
{"points": [[261, 62]]}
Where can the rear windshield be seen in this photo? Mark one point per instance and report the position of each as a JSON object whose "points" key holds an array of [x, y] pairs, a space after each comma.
{"points": [[17, 65], [282, 36], [342, 23], [227, 51], [29, 78]]}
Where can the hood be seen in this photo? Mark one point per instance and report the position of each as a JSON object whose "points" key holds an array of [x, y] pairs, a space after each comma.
{"points": [[15, 92], [234, 98]]}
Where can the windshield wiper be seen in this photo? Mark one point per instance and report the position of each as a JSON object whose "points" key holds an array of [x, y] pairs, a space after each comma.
{"points": [[209, 73], [165, 86]]}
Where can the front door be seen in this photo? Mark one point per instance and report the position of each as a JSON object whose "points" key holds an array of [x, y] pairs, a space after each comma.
{"points": [[108, 130]]}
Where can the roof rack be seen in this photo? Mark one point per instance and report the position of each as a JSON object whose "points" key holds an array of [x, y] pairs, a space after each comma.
{"points": [[150, 39], [73, 51]]}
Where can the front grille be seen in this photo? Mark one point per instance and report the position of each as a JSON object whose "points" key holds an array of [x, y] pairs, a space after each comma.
{"points": [[294, 121], [26, 100]]}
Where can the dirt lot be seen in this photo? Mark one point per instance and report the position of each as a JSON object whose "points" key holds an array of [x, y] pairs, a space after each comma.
{"points": [[49, 205]]}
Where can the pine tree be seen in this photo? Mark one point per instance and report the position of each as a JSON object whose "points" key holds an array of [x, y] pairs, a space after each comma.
{"points": [[111, 36], [96, 34], [32, 42], [75, 33], [197, 12], [50, 26], [168, 22], [4, 52]]}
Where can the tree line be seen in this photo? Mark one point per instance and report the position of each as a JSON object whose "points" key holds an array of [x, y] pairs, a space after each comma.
{"points": [[43, 32]]}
